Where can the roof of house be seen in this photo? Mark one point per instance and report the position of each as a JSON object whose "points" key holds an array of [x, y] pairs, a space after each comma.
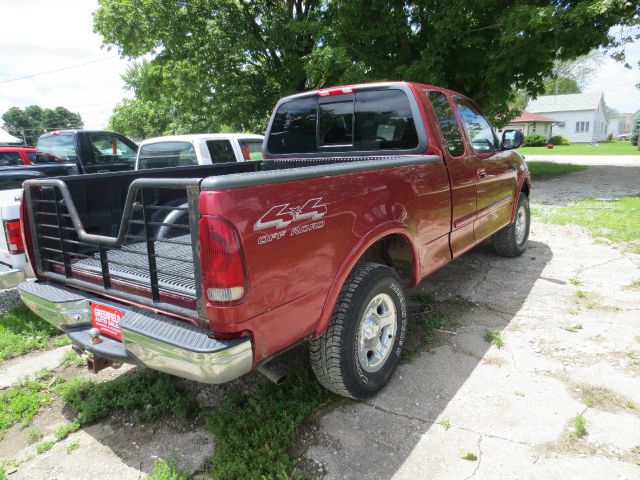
{"points": [[527, 117], [565, 103]]}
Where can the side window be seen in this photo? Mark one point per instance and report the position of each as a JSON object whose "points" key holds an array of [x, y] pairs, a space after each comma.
{"points": [[294, 127], [477, 127], [109, 149], [251, 149], [336, 123], [166, 154], [384, 121], [448, 124], [57, 149], [8, 159], [221, 151]]}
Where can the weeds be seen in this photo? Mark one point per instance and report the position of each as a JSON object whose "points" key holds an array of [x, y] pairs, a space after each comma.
{"points": [[581, 294], [573, 328], [45, 446], [631, 405], [167, 470], [21, 402], [146, 393], [21, 331], [635, 285], [470, 456], [445, 423], [427, 299], [519, 393], [34, 435], [580, 426], [254, 433], [494, 337], [575, 281], [71, 358], [74, 445], [65, 430]]}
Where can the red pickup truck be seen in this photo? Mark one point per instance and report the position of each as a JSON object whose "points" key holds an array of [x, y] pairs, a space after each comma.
{"points": [[208, 272]]}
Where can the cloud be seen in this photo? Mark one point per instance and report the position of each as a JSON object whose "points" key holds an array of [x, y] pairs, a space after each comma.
{"points": [[39, 36]]}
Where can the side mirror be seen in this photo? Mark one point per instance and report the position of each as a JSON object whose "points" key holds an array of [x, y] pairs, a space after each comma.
{"points": [[511, 139]]}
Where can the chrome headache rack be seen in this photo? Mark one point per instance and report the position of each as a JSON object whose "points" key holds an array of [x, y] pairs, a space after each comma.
{"points": [[153, 257]]}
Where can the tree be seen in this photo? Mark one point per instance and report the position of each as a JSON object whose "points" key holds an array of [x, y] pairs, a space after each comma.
{"points": [[561, 86], [33, 121], [214, 62], [635, 130]]}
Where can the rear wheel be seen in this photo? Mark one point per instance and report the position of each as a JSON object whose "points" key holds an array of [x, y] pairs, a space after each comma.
{"points": [[512, 240], [357, 354]]}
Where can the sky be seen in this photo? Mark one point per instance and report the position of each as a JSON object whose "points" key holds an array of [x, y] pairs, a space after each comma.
{"points": [[42, 35]]}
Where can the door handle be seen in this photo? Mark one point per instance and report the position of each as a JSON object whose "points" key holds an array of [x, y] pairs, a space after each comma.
{"points": [[481, 173]]}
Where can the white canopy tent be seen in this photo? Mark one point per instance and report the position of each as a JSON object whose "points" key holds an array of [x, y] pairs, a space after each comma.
{"points": [[6, 138]]}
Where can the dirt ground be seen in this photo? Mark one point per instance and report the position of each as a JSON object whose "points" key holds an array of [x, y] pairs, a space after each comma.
{"points": [[565, 354]]}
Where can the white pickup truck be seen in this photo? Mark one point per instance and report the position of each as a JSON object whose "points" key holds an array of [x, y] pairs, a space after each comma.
{"points": [[198, 149]]}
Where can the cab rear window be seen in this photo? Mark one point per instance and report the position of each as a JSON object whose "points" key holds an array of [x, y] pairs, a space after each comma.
{"points": [[56, 148], [365, 121], [166, 154]]}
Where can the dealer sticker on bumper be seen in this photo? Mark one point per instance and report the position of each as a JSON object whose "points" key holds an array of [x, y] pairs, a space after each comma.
{"points": [[107, 320]]}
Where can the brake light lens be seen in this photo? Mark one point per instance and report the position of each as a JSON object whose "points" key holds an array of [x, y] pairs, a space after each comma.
{"points": [[222, 265], [327, 92], [14, 235]]}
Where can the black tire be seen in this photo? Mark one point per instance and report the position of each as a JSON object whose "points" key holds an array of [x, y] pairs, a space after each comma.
{"points": [[506, 242], [335, 356]]}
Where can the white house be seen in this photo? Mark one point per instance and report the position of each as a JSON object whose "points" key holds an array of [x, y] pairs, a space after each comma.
{"points": [[581, 117], [532, 124]]}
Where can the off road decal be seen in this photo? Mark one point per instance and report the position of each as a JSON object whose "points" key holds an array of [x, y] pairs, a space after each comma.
{"points": [[281, 216]]}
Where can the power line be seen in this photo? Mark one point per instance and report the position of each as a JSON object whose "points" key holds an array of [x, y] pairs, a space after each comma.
{"points": [[58, 70]]}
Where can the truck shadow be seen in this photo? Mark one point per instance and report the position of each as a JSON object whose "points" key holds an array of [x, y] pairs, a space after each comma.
{"points": [[476, 293]]}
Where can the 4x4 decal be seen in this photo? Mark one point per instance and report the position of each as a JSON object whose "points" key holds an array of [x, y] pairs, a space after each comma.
{"points": [[282, 216]]}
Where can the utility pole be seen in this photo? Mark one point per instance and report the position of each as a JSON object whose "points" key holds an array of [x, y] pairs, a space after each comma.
{"points": [[24, 139]]}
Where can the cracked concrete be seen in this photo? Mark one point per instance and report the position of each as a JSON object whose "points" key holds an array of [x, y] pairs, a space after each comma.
{"points": [[513, 407]]}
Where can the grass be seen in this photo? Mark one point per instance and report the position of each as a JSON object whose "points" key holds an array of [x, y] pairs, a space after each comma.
{"points": [[65, 430], [34, 435], [22, 401], [45, 446], [470, 456], [631, 405], [494, 337], [545, 169], [573, 328], [146, 393], [71, 358], [604, 148], [254, 433], [614, 220], [167, 470], [635, 285], [575, 281], [21, 331], [580, 426]]}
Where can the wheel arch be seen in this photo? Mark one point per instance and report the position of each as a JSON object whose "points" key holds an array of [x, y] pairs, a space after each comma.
{"points": [[374, 248]]}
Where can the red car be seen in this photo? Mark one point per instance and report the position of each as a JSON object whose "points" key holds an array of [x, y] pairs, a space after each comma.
{"points": [[12, 156], [208, 272]]}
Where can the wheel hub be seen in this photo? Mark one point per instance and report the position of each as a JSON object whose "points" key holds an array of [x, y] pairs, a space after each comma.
{"points": [[377, 332]]}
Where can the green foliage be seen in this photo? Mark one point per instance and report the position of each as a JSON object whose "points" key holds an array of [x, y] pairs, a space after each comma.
{"points": [[253, 434], [71, 358], [167, 470], [613, 148], [580, 426], [219, 62], [146, 393], [71, 446], [494, 337], [65, 430], [544, 169], [35, 120], [21, 331], [21, 402], [615, 220], [635, 129], [534, 141], [559, 140], [45, 446], [34, 435], [561, 86]]}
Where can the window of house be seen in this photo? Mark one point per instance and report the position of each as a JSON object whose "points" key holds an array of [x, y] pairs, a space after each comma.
{"points": [[221, 151], [534, 127], [448, 124], [586, 127], [477, 127]]}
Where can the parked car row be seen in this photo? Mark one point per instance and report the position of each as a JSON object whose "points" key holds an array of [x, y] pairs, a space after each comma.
{"points": [[72, 152]]}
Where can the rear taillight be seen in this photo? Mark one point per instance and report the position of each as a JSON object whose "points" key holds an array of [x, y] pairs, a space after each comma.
{"points": [[24, 229], [14, 236], [224, 277]]}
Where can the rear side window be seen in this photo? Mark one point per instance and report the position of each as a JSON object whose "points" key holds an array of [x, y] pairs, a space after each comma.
{"points": [[293, 129], [251, 149], [478, 128], [448, 124], [166, 154], [369, 120], [57, 149], [107, 149], [220, 151], [8, 159]]}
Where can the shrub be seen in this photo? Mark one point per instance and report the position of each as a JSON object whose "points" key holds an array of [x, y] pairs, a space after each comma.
{"points": [[559, 140], [535, 141], [610, 137], [635, 129]]}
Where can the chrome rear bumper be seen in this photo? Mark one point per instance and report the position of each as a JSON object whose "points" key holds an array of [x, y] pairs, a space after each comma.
{"points": [[10, 277], [156, 341]]}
